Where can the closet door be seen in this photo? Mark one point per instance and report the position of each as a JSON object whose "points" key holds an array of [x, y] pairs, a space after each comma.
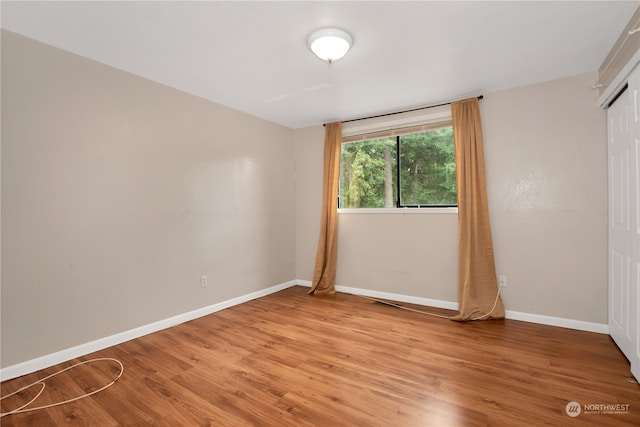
{"points": [[634, 290], [622, 266], [624, 222]]}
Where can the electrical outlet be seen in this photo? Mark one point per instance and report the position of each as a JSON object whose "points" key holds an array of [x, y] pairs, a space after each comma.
{"points": [[203, 282], [502, 281]]}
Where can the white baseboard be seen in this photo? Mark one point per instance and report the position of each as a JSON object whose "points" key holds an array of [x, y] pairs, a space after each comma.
{"points": [[71, 353], [390, 296], [509, 314], [579, 325], [399, 297]]}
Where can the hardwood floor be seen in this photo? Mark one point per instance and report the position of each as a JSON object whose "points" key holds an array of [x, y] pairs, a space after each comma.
{"points": [[290, 359]]}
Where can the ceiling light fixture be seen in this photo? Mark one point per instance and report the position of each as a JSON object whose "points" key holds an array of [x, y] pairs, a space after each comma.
{"points": [[330, 44]]}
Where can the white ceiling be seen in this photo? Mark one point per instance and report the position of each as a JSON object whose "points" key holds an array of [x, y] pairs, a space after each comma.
{"points": [[253, 56]]}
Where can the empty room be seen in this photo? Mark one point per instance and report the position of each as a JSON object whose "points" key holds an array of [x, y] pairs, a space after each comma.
{"points": [[320, 213]]}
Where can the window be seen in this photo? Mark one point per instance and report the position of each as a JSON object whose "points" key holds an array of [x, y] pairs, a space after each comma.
{"points": [[411, 169]]}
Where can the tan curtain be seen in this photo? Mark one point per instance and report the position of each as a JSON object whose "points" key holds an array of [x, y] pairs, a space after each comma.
{"points": [[477, 285], [324, 275]]}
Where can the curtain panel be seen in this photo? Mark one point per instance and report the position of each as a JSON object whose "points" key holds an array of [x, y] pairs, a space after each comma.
{"points": [[324, 275], [478, 296]]}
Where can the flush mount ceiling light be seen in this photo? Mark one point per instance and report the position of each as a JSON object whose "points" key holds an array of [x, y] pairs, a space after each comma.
{"points": [[330, 44]]}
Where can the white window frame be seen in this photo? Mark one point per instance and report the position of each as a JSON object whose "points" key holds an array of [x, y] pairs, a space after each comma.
{"points": [[363, 129]]}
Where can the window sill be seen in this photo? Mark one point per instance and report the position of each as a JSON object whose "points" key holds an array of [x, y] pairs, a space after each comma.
{"points": [[398, 211]]}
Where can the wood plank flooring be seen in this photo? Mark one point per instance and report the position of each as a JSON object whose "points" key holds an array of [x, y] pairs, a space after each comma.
{"points": [[290, 359]]}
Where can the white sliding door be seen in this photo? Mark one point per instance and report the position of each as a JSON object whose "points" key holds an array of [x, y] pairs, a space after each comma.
{"points": [[634, 290], [624, 221]]}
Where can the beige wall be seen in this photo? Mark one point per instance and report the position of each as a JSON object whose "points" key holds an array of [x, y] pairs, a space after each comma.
{"points": [[546, 154], [545, 148], [309, 152], [119, 193]]}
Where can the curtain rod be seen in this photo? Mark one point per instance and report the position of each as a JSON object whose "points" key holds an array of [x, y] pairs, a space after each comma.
{"points": [[399, 112]]}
